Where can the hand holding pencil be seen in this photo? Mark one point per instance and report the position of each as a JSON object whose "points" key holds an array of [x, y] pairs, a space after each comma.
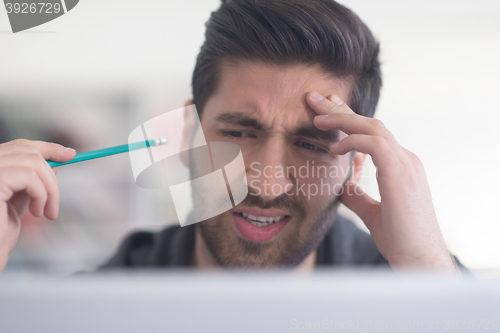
{"points": [[28, 180]]}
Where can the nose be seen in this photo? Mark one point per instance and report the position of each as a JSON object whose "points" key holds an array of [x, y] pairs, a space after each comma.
{"points": [[267, 173]]}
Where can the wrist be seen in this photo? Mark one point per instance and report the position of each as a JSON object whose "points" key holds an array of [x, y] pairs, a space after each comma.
{"points": [[438, 261]]}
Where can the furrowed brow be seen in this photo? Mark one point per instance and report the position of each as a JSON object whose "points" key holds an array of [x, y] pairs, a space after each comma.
{"points": [[306, 131], [240, 119]]}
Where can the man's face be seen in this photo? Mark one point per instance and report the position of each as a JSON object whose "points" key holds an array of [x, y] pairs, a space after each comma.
{"points": [[294, 181]]}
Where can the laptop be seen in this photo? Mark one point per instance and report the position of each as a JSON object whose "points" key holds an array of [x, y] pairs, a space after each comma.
{"points": [[213, 301]]}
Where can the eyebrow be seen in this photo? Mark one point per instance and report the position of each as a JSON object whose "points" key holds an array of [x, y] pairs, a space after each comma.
{"points": [[304, 130], [240, 119]]}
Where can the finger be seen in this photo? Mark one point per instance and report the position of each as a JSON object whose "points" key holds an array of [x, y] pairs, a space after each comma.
{"points": [[49, 150], [334, 114], [54, 152], [362, 204], [16, 179], [352, 123], [34, 161], [51, 210], [325, 106], [385, 156]]}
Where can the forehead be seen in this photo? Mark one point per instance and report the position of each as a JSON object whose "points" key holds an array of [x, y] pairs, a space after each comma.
{"points": [[273, 94]]}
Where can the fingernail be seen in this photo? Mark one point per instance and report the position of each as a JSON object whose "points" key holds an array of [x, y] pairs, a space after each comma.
{"points": [[321, 117], [336, 99], [71, 150], [316, 97]]}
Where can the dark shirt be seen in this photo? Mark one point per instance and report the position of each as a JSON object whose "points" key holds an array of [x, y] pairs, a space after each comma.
{"points": [[344, 245]]}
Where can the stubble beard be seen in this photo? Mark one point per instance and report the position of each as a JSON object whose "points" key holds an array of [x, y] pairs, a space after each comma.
{"points": [[232, 251]]}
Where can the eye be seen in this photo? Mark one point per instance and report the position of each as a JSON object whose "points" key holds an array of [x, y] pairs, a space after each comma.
{"points": [[236, 134], [307, 146]]}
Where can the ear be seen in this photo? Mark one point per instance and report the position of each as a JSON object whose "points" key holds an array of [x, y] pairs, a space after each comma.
{"points": [[357, 167], [187, 132]]}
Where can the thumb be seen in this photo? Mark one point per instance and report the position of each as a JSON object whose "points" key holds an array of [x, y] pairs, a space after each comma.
{"points": [[367, 208]]}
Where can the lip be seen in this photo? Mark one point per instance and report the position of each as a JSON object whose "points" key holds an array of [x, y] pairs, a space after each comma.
{"points": [[258, 234], [262, 212]]}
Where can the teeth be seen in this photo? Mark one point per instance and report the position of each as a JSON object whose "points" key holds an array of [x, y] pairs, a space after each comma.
{"points": [[261, 221]]}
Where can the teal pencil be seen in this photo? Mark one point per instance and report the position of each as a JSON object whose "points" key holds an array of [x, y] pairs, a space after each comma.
{"points": [[90, 155]]}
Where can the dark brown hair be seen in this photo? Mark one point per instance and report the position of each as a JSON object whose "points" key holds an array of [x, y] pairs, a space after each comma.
{"points": [[288, 32]]}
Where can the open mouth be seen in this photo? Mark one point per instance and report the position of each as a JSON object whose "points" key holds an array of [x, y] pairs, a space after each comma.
{"points": [[260, 228], [261, 221]]}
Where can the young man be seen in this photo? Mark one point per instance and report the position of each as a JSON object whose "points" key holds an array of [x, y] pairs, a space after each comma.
{"points": [[295, 84]]}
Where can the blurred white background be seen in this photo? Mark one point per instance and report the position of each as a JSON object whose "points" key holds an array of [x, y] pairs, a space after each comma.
{"points": [[90, 77]]}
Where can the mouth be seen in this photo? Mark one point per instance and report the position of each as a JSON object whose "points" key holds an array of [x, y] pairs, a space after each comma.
{"points": [[261, 221], [258, 227]]}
